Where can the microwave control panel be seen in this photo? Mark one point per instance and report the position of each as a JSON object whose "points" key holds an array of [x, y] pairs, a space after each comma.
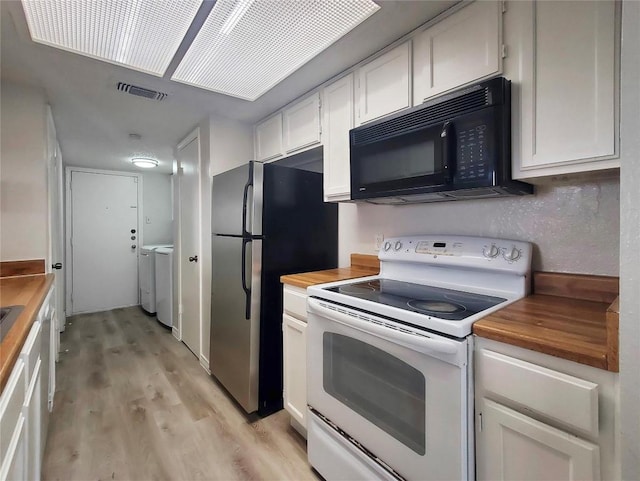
{"points": [[473, 152]]}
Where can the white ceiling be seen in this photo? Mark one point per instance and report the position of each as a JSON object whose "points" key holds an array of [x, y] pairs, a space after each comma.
{"points": [[93, 119]]}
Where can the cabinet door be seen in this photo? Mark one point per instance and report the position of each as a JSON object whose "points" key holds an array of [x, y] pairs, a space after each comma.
{"points": [[512, 446], [564, 61], [461, 49], [268, 138], [12, 424], [33, 413], [295, 368], [302, 124], [384, 85], [14, 466], [337, 121]]}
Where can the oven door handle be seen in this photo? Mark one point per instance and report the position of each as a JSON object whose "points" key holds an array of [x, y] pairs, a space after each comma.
{"points": [[419, 343]]}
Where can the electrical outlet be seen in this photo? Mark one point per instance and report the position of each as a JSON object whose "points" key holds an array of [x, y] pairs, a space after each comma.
{"points": [[378, 240]]}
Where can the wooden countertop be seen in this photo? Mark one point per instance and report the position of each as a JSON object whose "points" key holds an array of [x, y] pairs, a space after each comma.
{"points": [[27, 291], [568, 316], [362, 265]]}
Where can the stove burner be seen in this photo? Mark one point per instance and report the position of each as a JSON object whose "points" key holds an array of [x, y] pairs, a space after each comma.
{"points": [[436, 306], [357, 290]]}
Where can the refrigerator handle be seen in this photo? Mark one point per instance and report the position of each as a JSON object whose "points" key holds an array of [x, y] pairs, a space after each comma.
{"points": [[247, 290], [245, 197]]}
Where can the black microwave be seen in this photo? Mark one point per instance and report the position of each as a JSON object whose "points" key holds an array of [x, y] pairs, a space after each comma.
{"points": [[457, 146]]}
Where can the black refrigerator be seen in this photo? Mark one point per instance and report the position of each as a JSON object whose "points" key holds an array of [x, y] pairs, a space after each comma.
{"points": [[267, 221]]}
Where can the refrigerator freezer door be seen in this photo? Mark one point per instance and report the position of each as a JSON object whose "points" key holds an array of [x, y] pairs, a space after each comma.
{"points": [[235, 316], [236, 201]]}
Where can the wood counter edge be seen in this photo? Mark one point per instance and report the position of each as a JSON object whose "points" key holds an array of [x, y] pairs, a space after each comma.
{"points": [[595, 358], [362, 265], [603, 289], [613, 335], [12, 344]]}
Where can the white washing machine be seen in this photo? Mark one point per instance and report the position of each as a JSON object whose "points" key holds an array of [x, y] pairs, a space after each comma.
{"points": [[164, 285], [148, 277]]}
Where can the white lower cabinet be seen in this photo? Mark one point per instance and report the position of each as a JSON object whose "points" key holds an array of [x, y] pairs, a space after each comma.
{"points": [[12, 425], [26, 400], [539, 417], [517, 447], [33, 414], [294, 327]]}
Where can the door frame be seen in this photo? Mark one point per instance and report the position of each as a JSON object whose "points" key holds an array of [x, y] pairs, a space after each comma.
{"points": [[194, 135], [69, 227]]}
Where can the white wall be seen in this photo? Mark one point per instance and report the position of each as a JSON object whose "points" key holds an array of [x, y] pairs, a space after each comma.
{"points": [[23, 174], [225, 144], [629, 419], [575, 228], [156, 208]]}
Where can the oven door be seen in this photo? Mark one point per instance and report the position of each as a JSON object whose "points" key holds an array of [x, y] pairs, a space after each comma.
{"points": [[402, 395]]}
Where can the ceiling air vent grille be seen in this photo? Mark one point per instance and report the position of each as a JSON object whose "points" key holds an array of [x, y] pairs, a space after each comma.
{"points": [[141, 91]]}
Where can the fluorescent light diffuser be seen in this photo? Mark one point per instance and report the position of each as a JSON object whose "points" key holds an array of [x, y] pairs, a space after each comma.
{"points": [[245, 47], [139, 34]]}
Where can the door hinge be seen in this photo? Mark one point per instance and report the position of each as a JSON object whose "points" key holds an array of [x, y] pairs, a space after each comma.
{"points": [[135, 180], [504, 6], [504, 51], [480, 422]]}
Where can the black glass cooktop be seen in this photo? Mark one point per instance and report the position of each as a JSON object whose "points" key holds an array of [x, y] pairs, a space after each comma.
{"points": [[442, 303]]}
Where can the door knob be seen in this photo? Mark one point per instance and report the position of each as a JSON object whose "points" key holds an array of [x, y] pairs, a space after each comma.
{"points": [[57, 265], [193, 259], [133, 237], [133, 231], [133, 246]]}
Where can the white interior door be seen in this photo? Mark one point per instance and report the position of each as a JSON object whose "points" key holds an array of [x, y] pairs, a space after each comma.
{"points": [[104, 241], [56, 227], [189, 158]]}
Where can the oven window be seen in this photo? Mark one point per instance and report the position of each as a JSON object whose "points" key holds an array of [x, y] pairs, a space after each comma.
{"points": [[378, 386]]}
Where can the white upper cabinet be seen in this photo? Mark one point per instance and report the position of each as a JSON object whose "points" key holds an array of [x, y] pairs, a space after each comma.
{"points": [[337, 108], [462, 48], [384, 84], [268, 138], [563, 61], [302, 124]]}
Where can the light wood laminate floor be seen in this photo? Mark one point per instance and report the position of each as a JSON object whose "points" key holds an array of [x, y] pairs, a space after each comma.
{"points": [[133, 403]]}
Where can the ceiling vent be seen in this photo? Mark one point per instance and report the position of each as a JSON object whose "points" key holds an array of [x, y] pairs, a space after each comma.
{"points": [[141, 91]]}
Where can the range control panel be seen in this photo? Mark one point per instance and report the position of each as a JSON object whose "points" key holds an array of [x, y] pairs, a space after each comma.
{"points": [[460, 251]]}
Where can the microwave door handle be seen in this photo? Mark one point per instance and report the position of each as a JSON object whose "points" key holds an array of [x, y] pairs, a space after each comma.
{"points": [[448, 162]]}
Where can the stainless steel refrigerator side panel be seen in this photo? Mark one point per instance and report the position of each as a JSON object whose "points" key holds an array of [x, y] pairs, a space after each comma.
{"points": [[257, 199], [233, 359], [227, 191]]}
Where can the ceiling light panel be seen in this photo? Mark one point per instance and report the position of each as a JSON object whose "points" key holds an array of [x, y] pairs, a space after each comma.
{"points": [[245, 47], [140, 34]]}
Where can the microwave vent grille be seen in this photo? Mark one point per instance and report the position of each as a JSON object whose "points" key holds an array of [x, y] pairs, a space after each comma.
{"points": [[421, 117]]}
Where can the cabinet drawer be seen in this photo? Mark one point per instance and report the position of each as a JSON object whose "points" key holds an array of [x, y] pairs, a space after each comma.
{"points": [[573, 402], [31, 350], [295, 302]]}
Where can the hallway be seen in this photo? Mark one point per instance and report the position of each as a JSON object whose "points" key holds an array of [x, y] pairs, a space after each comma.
{"points": [[132, 403]]}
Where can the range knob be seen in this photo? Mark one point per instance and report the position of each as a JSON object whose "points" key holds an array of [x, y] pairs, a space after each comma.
{"points": [[387, 246], [398, 245], [512, 254], [491, 251]]}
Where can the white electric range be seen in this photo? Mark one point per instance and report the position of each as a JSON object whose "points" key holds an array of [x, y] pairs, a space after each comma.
{"points": [[389, 357]]}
